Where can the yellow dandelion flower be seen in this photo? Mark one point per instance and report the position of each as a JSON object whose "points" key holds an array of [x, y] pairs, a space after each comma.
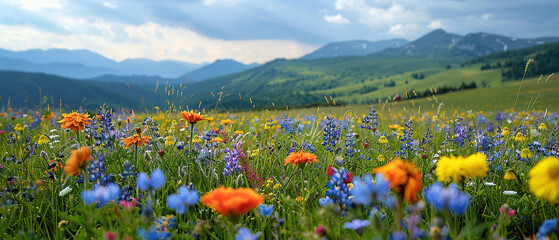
{"points": [[461, 169], [542, 126], [18, 127], [196, 139], [544, 179], [299, 199], [380, 158]]}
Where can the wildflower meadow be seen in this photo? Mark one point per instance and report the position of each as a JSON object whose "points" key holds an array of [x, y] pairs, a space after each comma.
{"points": [[381, 173]]}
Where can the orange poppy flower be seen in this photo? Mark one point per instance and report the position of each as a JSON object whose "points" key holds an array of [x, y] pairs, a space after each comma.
{"points": [[135, 140], [404, 178], [192, 117], [300, 158], [217, 140], [74, 121], [232, 202], [78, 161]]}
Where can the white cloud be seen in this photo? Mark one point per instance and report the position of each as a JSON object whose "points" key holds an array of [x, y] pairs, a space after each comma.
{"points": [[119, 41], [486, 16], [110, 5], [350, 4], [336, 19], [402, 29], [379, 15], [212, 2], [436, 24], [41, 5]]}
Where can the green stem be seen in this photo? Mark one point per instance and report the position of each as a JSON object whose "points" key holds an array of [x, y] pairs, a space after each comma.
{"points": [[289, 180]]}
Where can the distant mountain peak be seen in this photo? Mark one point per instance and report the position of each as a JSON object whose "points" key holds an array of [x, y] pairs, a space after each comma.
{"points": [[218, 68], [443, 46], [353, 48]]}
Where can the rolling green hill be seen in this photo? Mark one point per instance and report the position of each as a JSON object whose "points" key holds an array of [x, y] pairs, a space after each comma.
{"points": [[512, 64], [33, 90], [354, 80], [281, 83]]}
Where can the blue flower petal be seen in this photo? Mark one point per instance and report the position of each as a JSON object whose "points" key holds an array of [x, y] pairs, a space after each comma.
{"points": [[157, 179], [143, 181]]}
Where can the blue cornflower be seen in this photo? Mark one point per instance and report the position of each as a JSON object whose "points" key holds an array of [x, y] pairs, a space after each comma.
{"points": [[101, 195], [357, 224], [547, 227], [266, 211], [245, 234], [184, 199], [366, 192], [157, 180], [325, 201], [449, 198]]}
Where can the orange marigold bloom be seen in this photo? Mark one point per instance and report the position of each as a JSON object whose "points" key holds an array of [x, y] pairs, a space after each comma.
{"points": [[192, 117], [78, 161], [232, 202], [300, 158], [404, 178], [135, 140], [74, 121]]}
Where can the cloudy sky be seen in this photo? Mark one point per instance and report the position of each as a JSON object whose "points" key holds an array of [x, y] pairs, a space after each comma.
{"points": [[253, 30]]}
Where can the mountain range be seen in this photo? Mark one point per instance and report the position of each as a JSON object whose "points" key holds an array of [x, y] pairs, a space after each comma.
{"points": [[435, 60], [442, 46], [84, 64], [354, 48], [216, 69]]}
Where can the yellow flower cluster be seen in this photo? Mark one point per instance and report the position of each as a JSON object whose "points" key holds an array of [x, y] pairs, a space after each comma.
{"points": [[169, 141], [461, 169], [270, 189]]}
